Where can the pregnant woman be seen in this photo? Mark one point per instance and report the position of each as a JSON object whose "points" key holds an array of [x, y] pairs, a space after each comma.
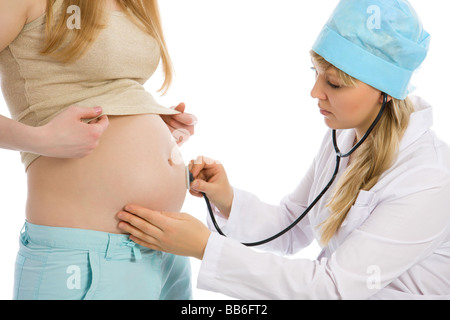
{"points": [[55, 55]]}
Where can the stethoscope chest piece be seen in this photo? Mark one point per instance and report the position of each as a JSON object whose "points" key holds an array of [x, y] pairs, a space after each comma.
{"points": [[189, 178]]}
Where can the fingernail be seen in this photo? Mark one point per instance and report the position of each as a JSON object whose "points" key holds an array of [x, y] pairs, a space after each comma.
{"points": [[98, 109], [195, 184]]}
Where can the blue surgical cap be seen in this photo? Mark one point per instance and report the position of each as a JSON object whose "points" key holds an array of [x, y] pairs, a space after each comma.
{"points": [[379, 42]]}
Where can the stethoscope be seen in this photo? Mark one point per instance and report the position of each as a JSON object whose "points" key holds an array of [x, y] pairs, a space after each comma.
{"points": [[339, 156]]}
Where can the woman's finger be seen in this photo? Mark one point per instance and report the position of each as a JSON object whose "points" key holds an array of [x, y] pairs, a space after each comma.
{"points": [[172, 123], [180, 107], [186, 119]]}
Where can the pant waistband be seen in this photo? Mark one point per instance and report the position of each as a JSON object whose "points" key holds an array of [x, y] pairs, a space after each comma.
{"points": [[80, 239]]}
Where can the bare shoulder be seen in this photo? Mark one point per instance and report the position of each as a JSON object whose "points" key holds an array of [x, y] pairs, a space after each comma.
{"points": [[36, 8], [14, 15]]}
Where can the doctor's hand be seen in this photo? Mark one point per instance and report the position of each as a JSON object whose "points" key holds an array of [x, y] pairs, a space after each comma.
{"points": [[176, 233], [211, 179], [181, 125]]}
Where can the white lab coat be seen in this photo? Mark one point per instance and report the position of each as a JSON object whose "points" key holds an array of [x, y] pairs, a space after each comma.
{"points": [[393, 244]]}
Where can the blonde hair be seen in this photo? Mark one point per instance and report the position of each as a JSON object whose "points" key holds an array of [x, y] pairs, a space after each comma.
{"points": [[371, 160], [67, 45]]}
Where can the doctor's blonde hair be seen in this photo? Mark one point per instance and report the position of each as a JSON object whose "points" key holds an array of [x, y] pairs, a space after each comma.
{"points": [[371, 160], [67, 45]]}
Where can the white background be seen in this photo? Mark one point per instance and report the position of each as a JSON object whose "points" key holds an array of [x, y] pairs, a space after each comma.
{"points": [[243, 68]]}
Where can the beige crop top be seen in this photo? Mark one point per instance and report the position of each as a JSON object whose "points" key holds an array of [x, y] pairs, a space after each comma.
{"points": [[110, 74]]}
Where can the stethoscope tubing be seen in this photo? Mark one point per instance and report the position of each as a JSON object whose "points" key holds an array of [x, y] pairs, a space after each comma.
{"points": [[339, 156]]}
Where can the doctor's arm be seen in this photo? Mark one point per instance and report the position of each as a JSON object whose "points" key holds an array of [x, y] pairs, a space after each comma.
{"points": [[393, 239], [244, 217], [390, 242]]}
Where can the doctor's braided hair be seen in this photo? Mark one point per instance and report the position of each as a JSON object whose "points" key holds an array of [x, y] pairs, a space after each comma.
{"points": [[370, 161]]}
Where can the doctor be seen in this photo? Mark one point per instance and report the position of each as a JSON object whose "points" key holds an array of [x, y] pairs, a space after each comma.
{"points": [[384, 224]]}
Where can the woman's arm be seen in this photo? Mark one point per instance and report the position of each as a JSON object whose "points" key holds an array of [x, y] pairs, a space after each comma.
{"points": [[15, 135], [65, 136]]}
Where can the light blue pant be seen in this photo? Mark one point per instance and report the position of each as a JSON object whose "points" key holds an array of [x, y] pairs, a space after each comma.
{"points": [[63, 263]]}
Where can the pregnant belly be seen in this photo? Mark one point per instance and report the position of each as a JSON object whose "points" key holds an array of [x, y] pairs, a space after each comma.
{"points": [[136, 162]]}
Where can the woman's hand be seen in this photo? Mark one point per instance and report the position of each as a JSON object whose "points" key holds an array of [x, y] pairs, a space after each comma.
{"points": [[66, 136], [176, 233], [211, 179], [181, 125]]}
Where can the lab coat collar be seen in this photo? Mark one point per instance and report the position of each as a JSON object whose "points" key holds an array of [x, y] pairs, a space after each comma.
{"points": [[420, 122]]}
